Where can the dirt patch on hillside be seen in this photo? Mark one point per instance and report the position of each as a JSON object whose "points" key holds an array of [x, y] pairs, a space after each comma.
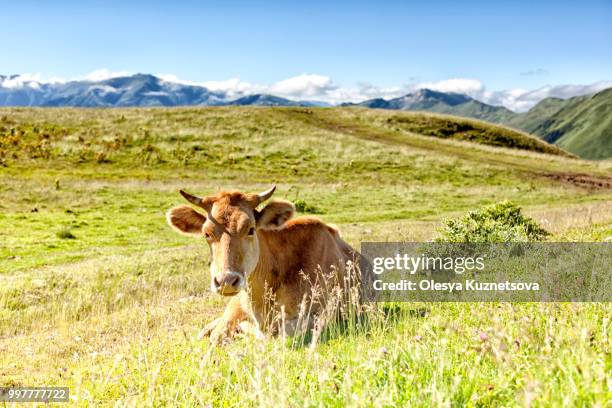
{"points": [[582, 180]]}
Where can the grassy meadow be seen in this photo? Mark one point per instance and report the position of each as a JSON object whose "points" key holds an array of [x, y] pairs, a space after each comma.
{"points": [[98, 294]]}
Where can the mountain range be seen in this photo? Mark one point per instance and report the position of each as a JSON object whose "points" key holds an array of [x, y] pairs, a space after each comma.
{"points": [[134, 90], [582, 125], [441, 102]]}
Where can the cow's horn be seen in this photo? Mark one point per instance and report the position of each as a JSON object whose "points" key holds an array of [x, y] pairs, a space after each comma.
{"points": [[261, 197], [205, 202]]}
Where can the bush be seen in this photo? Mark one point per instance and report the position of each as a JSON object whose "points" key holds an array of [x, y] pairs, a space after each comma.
{"points": [[65, 233], [501, 222], [303, 207]]}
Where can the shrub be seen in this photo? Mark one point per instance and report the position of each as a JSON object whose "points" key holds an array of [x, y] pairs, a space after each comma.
{"points": [[65, 233], [501, 222], [303, 207]]}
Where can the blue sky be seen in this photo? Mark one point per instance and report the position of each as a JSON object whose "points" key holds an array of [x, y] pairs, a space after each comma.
{"points": [[385, 44]]}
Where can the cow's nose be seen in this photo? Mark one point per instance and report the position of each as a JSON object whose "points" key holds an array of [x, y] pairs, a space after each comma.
{"points": [[229, 283]]}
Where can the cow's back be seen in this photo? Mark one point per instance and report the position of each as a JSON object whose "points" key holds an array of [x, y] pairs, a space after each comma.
{"points": [[306, 243], [304, 253]]}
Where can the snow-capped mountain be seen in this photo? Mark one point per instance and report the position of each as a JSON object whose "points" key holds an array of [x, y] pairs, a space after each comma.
{"points": [[134, 90]]}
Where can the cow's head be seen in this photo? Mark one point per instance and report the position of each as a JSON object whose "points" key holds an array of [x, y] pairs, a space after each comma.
{"points": [[230, 226]]}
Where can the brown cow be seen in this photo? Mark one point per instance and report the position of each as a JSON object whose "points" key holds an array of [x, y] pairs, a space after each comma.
{"points": [[271, 264]]}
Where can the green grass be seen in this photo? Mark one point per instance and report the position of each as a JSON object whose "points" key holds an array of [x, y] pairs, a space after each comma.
{"points": [[113, 312]]}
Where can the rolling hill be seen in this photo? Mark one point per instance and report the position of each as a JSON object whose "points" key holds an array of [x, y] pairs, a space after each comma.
{"points": [[467, 129]]}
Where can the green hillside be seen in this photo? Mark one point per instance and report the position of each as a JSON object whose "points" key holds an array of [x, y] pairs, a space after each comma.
{"points": [[111, 140], [452, 127], [583, 126], [48, 155], [540, 113], [98, 294], [478, 110]]}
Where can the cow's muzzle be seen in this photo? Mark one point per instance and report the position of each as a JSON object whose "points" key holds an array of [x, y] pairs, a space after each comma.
{"points": [[228, 284]]}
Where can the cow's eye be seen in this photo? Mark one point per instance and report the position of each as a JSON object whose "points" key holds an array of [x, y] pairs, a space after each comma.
{"points": [[251, 231], [207, 235]]}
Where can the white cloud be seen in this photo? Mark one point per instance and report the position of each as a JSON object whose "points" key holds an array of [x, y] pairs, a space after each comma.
{"points": [[471, 87], [18, 81], [521, 100], [102, 74], [103, 89], [303, 86], [35, 80], [517, 99], [233, 87], [171, 78]]}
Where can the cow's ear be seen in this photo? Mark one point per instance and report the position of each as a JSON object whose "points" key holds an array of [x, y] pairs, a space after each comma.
{"points": [[275, 214], [186, 220]]}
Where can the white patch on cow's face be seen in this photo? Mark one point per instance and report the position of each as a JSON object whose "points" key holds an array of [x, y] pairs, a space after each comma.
{"points": [[234, 256], [251, 255], [213, 270]]}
